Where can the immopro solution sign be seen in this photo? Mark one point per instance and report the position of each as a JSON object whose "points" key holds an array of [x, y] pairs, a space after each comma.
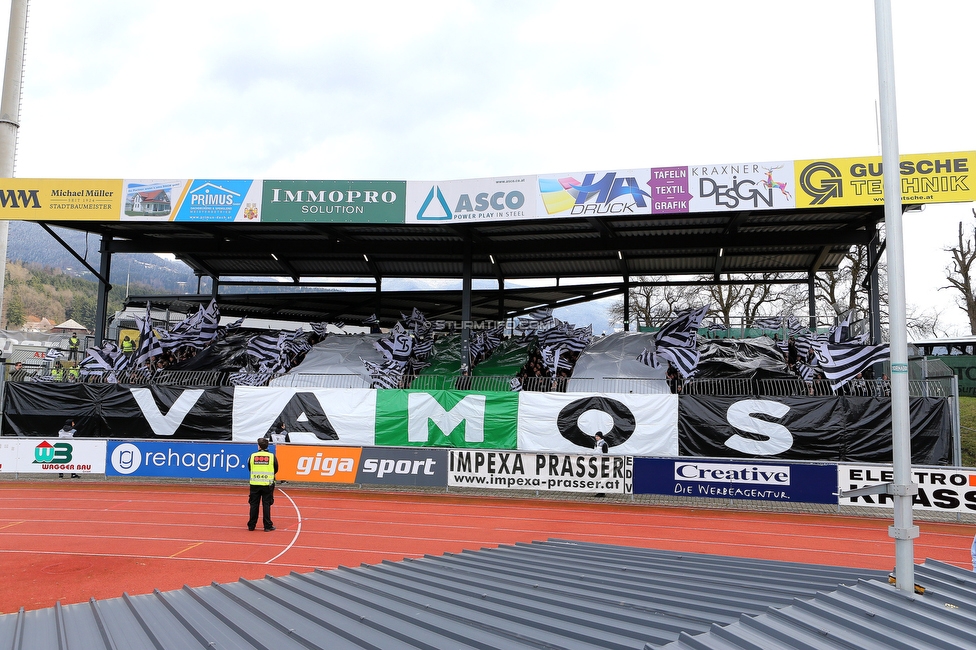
{"points": [[224, 460], [334, 201], [511, 470]]}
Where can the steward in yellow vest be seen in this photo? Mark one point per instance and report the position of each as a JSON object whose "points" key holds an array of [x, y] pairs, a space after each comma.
{"points": [[263, 466]]}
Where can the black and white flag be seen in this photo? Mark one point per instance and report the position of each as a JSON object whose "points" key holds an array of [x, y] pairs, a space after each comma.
{"points": [[842, 363], [684, 360], [149, 344], [682, 331], [397, 346], [245, 378], [769, 323], [648, 358], [841, 332]]}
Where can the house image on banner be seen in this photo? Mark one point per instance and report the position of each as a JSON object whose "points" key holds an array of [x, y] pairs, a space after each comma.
{"points": [[153, 202]]}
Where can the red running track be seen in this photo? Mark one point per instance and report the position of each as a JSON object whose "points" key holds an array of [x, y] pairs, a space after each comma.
{"points": [[71, 541]]}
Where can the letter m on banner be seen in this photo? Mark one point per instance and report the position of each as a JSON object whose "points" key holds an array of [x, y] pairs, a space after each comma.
{"points": [[446, 419]]}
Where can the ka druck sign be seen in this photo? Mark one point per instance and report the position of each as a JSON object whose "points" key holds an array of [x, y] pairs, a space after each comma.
{"points": [[504, 470]]}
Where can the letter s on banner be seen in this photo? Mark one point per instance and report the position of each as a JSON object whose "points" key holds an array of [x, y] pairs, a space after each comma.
{"points": [[740, 415]]}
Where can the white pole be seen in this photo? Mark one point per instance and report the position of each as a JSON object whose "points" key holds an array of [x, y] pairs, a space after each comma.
{"points": [[903, 531], [13, 72]]}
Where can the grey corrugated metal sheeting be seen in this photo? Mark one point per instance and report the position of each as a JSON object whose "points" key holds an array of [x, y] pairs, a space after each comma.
{"points": [[556, 594], [871, 614]]}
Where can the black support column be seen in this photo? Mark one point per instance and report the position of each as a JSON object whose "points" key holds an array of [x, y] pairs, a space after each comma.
{"points": [[101, 306], [466, 307]]}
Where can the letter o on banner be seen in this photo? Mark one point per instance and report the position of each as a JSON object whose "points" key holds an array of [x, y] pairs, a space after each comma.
{"points": [[624, 422]]}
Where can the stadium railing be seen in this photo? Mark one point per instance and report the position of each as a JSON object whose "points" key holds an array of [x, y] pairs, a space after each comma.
{"points": [[732, 387]]}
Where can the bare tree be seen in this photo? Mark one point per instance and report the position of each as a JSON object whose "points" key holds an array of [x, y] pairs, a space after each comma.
{"points": [[747, 299], [960, 275], [653, 304], [753, 296], [925, 324]]}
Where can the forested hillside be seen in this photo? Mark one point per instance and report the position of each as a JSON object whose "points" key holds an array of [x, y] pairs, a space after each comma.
{"points": [[44, 280], [42, 292], [32, 245]]}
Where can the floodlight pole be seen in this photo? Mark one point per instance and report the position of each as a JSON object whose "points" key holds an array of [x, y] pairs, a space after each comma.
{"points": [[13, 74], [903, 531]]}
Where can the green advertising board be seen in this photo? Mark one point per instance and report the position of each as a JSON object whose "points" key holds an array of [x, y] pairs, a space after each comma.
{"points": [[442, 418], [334, 201]]}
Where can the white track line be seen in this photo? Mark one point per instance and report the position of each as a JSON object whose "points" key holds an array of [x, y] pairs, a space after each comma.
{"points": [[298, 532]]}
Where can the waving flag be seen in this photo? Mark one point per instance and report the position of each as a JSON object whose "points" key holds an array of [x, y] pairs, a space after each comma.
{"points": [[149, 344], [842, 363], [769, 323]]}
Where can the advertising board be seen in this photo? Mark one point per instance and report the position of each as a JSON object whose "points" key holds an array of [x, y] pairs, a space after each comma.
{"points": [[731, 479], [175, 459], [509, 470]]}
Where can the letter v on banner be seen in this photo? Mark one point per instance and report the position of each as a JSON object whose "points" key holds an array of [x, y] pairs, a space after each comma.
{"points": [[423, 408], [165, 425]]}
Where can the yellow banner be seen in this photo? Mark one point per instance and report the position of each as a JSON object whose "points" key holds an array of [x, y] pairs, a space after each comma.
{"points": [[925, 178], [38, 199]]}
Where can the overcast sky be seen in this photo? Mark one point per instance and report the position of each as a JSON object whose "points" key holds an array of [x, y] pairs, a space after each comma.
{"points": [[454, 89]]}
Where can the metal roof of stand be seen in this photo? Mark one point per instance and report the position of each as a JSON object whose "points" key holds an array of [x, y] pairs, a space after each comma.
{"points": [[353, 307], [709, 245], [555, 594]]}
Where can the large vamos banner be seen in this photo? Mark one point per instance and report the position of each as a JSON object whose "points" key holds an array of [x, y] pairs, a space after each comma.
{"points": [[946, 489], [634, 425], [724, 479], [56, 455], [175, 459], [501, 470], [326, 416]]}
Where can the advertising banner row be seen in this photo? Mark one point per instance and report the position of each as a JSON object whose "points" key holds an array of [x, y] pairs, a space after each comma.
{"points": [[942, 489], [783, 184], [834, 429]]}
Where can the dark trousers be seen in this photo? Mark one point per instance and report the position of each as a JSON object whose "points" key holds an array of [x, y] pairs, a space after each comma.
{"points": [[261, 495]]}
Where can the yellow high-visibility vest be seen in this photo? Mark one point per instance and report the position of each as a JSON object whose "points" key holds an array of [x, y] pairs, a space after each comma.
{"points": [[261, 465]]}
